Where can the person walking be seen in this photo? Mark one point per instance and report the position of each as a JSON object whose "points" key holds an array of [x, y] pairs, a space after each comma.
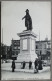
{"points": [[13, 66], [36, 65], [23, 65], [40, 64], [30, 64]]}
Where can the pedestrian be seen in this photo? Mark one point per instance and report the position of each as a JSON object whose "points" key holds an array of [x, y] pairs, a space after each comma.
{"points": [[23, 65], [30, 64], [40, 64], [36, 65], [13, 66]]}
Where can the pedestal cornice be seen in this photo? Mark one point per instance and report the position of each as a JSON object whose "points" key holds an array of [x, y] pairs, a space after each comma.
{"points": [[27, 33]]}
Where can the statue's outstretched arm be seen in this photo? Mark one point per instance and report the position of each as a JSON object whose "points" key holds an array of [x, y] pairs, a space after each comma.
{"points": [[23, 17]]}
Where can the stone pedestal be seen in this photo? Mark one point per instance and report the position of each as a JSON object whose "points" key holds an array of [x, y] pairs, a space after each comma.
{"points": [[27, 47]]}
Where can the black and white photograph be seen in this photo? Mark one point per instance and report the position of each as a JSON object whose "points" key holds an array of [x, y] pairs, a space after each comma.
{"points": [[25, 40]]}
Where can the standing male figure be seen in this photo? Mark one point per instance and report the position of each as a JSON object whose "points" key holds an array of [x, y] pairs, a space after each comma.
{"points": [[13, 65], [36, 65], [40, 64], [23, 65], [30, 64], [28, 20]]}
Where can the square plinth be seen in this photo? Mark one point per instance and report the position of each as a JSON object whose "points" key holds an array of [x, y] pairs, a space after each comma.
{"points": [[27, 46]]}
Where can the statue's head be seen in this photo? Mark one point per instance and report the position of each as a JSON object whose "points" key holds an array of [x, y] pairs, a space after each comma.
{"points": [[27, 11]]}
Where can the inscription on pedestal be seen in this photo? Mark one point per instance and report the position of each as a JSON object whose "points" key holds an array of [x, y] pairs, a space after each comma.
{"points": [[24, 44]]}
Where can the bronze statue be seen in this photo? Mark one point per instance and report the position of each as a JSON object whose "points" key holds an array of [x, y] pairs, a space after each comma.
{"points": [[28, 20]]}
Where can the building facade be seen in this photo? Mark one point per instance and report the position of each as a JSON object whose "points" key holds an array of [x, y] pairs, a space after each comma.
{"points": [[43, 49], [15, 45], [5, 52]]}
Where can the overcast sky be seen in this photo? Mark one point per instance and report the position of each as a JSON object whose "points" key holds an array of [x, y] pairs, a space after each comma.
{"points": [[12, 23]]}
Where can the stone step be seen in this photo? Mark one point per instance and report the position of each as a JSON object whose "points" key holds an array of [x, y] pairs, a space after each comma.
{"points": [[20, 70], [27, 54], [26, 59], [25, 70], [23, 55]]}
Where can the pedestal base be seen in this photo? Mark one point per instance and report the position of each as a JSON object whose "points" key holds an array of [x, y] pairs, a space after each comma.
{"points": [[19, 66], [27, 48]]}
